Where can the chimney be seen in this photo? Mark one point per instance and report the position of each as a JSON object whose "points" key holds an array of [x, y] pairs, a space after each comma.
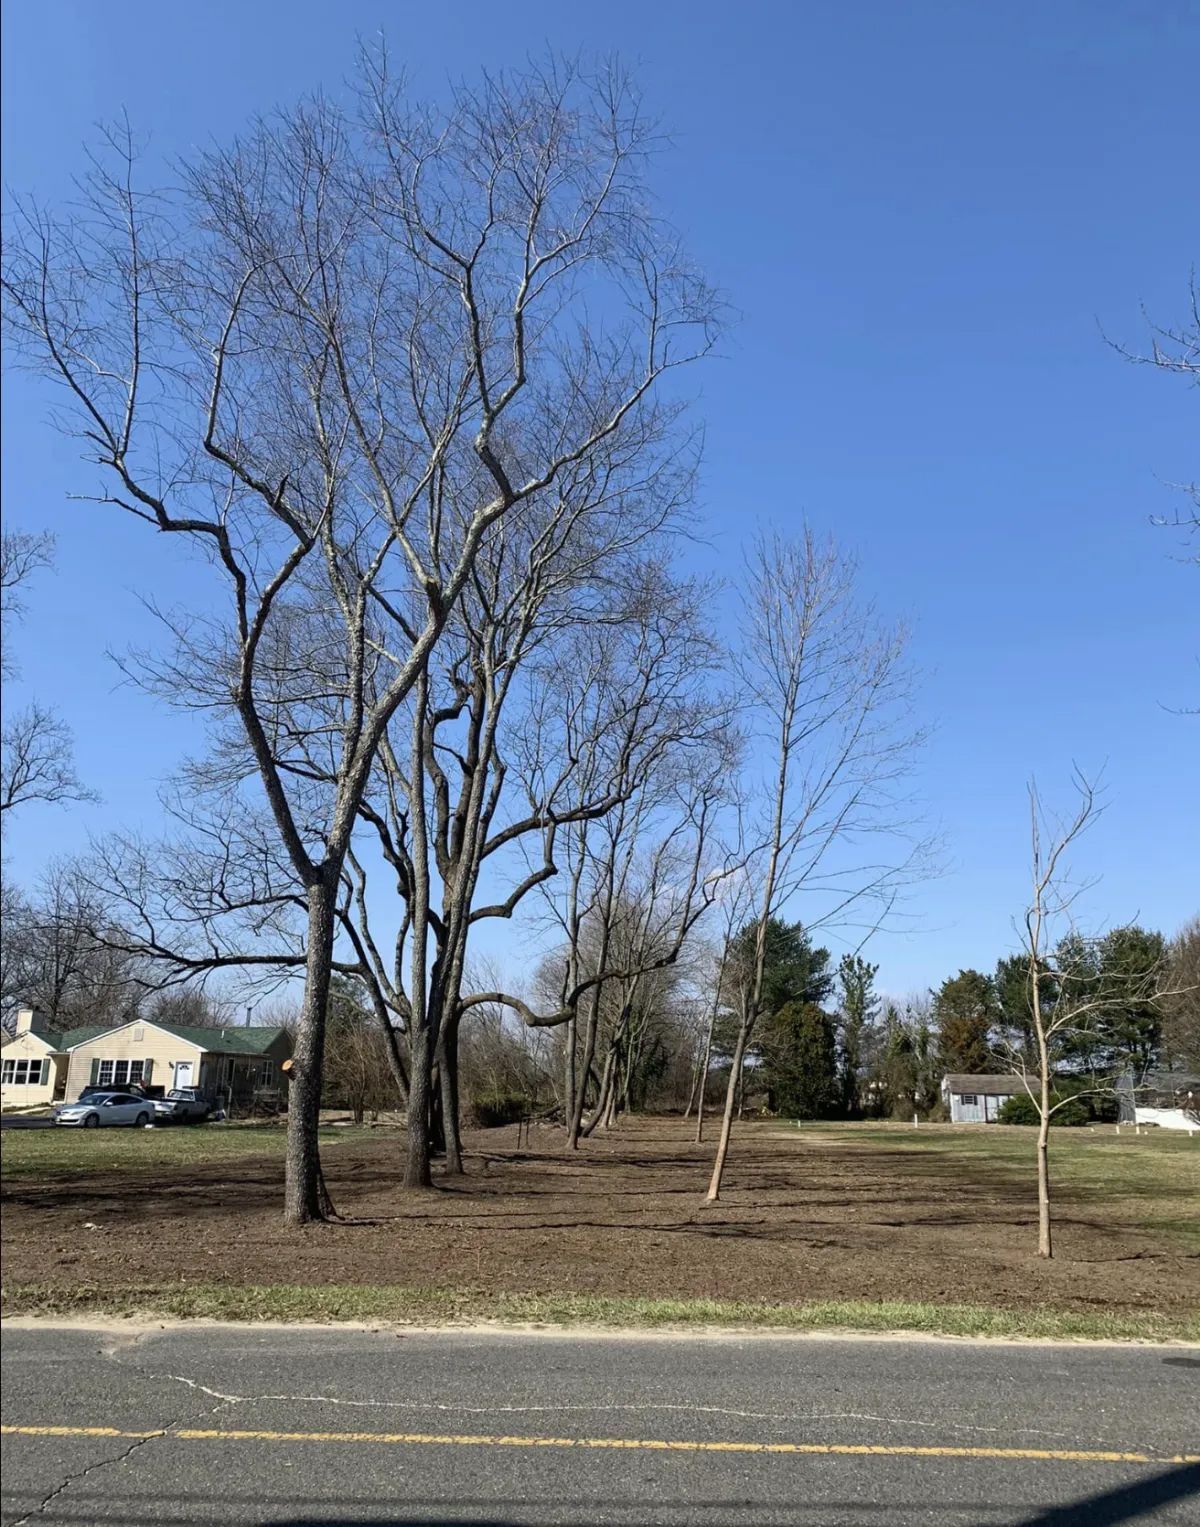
{"points": [[30, 1021]]}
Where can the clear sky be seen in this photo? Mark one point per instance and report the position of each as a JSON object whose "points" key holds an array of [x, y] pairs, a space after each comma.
{"points": [[925, 215]]}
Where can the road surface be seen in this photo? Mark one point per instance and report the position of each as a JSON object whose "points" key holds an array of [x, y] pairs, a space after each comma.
{"points": [[265, 1425]]}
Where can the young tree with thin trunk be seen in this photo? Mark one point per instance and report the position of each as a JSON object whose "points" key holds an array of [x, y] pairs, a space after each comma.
{"points": [[827, 689], [333, 358], [1067, 1005]]}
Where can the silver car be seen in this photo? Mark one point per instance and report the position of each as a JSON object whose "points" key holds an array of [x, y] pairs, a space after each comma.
{"points": [[106, 1108]]}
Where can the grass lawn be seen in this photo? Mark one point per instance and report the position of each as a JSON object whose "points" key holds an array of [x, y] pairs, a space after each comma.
{"points": [[870, 1227], [36, 1153], [1155, 1175]]}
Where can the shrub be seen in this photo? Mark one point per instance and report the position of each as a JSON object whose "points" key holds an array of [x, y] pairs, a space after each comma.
{"points": [[496, 1108], [1023, 1110]]}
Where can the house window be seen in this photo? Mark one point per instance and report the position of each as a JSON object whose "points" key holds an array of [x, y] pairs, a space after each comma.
{"points": [[120, 1073], [970, 1100], [23, 1073]]}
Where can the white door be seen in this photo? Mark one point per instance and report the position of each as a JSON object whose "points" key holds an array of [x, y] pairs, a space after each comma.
{"points": [[183, 1073]]}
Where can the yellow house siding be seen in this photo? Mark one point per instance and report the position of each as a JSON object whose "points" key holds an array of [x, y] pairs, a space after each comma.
{"points": [[136, 1041], [29, 1047]]}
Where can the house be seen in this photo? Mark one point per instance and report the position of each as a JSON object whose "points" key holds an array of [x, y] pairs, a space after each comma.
{"points": [[238, 1065], [1170, 1099], [33, 1070], [979, 1099]]}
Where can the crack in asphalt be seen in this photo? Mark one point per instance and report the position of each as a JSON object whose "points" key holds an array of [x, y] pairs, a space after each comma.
{"points": [[228, 1398], [92, 1468]]}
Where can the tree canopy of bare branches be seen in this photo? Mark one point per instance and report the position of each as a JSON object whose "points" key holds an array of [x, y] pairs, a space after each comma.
{"points": [[35, 746], [334, 357]]}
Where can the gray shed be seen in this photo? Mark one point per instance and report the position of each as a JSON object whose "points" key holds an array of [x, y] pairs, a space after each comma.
{"points": [[978, 1099]]}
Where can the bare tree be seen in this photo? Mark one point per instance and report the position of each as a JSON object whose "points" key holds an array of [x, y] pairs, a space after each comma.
{"points": [[1065, 1000], [335, 358], [827, 689], [1176, 352], [22, 553], [35, 745], [734, 908], [55, 956], [36, 762]]}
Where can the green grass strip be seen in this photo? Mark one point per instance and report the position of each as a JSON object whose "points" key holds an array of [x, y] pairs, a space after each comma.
{"points": [[458, 1306]]}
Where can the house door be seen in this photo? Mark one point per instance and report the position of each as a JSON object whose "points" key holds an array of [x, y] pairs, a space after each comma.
{"points": [[183, 1073]]}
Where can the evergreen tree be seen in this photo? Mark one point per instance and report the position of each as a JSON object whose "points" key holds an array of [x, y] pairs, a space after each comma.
{"points": [[858, 1007], [799, 1055], [965, 1011], [1011, 983]]}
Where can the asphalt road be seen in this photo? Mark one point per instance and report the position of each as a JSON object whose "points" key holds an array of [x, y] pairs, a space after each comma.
{"points": [[258, 1425]]}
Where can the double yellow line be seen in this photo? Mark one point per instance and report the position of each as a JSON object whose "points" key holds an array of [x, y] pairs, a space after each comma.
{"points": [[609, 1444]]}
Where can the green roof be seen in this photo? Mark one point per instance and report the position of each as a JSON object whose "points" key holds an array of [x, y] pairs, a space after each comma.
{"points": [[233, 1040], [69, 1038], [236, 1040]]}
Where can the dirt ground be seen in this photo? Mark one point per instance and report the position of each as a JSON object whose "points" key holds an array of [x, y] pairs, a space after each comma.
{"points": [[805, 1216]]}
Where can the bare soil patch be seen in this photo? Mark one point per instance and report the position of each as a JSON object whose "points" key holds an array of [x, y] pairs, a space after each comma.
{"points": [[847, 1215]]}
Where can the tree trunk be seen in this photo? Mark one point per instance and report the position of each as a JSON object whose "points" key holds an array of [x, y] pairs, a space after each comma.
{"points": [[574, 1126], [739, 1054], [448, 1066], [695, 1082], [417, 1172], [304, 1195], [602, 1101], [1045, 1246], [569, 1082], [704, 1065]]}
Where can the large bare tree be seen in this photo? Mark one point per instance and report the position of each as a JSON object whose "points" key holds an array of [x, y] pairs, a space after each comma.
{"points": [[337, 355], [827, 691]]}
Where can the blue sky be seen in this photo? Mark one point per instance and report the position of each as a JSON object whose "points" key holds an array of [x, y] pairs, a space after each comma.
{"points": [[925, 216]]}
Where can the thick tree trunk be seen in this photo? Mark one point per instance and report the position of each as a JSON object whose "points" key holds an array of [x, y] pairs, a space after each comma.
{"points": [[602, 1101], [417, 1172], [448, 1067], [739, 1055], [575, 1124], [304, 1196]]}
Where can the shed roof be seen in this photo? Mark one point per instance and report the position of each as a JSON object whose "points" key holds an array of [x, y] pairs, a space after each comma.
{"points": [[987, 1086]]}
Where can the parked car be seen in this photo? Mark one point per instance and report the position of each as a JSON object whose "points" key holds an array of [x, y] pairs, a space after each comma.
{"points": [[106, 1109], [132, 1089], [182, 1105]]}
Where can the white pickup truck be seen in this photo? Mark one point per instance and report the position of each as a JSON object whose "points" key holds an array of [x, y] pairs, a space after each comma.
{"points": [[182, 1105]]}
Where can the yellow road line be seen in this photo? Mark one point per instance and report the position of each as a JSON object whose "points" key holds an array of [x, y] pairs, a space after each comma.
{"points": [[633, 1444]]}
